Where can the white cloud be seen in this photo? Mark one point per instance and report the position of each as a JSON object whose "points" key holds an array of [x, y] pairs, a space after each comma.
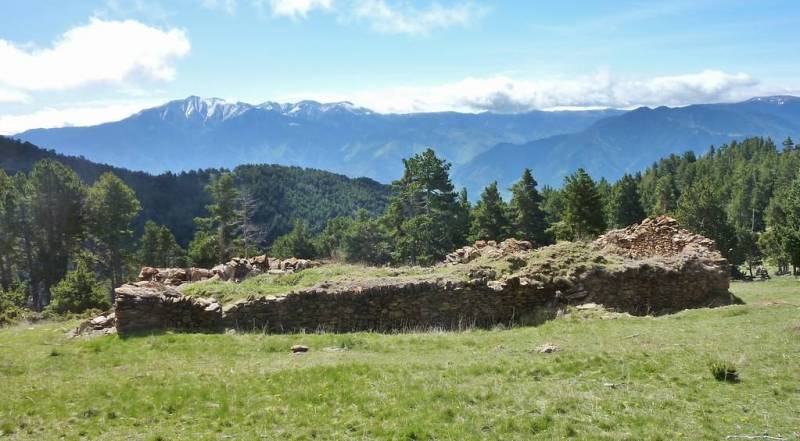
{"points": [[384, 16], [504, 94], [99, 52], [77, 115], [12, 96], [388, 19], [297, 8], [228, 6]]}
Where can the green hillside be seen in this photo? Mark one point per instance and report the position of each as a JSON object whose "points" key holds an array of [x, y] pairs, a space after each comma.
{"points": [[615, 377]]}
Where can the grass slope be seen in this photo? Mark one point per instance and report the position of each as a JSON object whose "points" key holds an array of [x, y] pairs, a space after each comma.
{"points": [[624, 378]]}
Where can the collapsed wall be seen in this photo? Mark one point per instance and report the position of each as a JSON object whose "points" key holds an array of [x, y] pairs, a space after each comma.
{"points": [[652, 268]]}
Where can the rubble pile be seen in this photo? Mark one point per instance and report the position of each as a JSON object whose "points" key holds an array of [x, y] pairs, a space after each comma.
{"points": [[491, 249], [236, 270], [105, 323], [659, 236]]}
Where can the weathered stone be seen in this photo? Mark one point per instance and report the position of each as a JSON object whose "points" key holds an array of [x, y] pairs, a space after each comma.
{"points": [[690, 273], [299, 349], [547, 348]]}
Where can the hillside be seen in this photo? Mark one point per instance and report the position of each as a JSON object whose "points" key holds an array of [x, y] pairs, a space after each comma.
{"points": [[198, 133], [630, 142], [612, 377], [175, 199]]}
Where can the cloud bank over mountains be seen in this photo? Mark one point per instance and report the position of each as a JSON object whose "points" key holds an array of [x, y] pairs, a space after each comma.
{"points": [[508, 95]]}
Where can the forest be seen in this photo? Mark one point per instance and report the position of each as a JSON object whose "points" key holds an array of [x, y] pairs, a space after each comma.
{"points": [[70, 232]]}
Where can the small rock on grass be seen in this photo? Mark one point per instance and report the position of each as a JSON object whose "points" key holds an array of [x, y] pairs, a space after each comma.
{"points": [[299, 349], [547, 348]]}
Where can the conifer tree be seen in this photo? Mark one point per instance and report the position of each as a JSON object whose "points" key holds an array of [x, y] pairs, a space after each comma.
{"points": [[700, 210], [112, 206], [666, 195], [788, 144], [424, 191], [527, 216], [463, 219], [583, 206], [490, 216], [296, 243], [214, 240], [625, 206], [158, 247], [56, 196]]}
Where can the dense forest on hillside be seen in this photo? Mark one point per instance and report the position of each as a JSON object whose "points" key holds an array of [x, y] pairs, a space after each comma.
{"points": [[68, 226], [175, 199]]}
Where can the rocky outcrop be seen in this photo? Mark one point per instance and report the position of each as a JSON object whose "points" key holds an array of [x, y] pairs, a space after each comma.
{"points": [[652, 268]]}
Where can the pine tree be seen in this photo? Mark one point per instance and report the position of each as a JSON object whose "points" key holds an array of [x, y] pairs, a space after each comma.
{"points": [[463, 219], [700, 210], [527, 216], [625, 206], [788, 144], [158, 247], [367, 240], [666, 195], [783, 219], [424, 190], [297, 243], [214, 239], [8, 233], [583, 206], [490, 217], [112, 206], [56, 196], [79, 290]]}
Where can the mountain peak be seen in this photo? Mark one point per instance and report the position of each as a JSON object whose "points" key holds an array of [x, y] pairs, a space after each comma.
{"points": [[202, 109], [775, 99], [311, 107]]}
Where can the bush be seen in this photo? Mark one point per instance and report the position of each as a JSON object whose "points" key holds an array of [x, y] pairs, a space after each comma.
{"points": [[724, 371], [12, 304], [79, 291]]}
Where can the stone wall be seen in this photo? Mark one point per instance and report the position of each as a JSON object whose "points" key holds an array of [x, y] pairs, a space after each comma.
{"points": [[651, 268], [643, 288], [153, 306]]}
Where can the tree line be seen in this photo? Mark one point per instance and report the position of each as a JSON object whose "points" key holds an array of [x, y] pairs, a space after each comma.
{"points": [[65, 245], [745, 195]]}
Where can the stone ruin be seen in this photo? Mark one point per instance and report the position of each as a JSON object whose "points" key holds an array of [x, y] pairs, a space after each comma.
{"points": [[651, 268], [659, 236], [236, 270]]}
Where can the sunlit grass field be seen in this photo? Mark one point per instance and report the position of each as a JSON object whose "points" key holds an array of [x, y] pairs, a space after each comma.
{"points": [[614, 377]]}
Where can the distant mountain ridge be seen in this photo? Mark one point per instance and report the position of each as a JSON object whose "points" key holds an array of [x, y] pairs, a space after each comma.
{"points": [[630, 142], [199, 133], [196, 133]]}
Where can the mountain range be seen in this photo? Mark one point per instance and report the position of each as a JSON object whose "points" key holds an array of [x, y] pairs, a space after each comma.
{"points": [[341, 137]]}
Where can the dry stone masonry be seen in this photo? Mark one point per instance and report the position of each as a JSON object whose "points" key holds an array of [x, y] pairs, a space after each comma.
{"points": [[651, 268], [236, 270]]}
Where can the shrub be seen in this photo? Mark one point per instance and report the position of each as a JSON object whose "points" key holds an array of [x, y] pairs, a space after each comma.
{"points": [[724, 371], [79, 291], [12, 304]]}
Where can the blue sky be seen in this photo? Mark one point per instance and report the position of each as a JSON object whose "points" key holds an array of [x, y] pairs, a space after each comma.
{"points": [[84, 62]]}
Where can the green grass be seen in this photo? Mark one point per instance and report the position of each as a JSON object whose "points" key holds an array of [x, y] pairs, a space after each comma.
{"points": [[267, 285], [629, 378]]}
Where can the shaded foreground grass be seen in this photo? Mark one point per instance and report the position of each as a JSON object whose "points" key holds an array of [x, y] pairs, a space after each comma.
{"points": [[625, 378]]}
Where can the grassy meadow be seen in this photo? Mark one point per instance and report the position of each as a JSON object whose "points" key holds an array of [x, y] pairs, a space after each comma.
{"points": [[615, 377]]}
